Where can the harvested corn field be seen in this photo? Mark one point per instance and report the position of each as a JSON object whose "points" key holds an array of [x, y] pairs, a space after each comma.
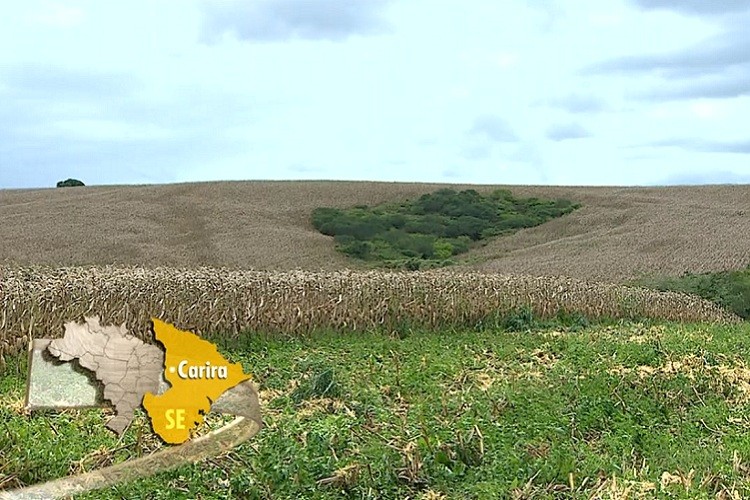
{"points": [[36, 302], [620, 233]]}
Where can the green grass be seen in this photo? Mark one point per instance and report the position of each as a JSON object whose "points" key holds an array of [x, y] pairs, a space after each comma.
{"points": [[468, 414]]}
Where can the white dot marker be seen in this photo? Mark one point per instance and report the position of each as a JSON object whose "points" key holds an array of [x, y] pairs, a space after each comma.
{"points": [[172, 369]]}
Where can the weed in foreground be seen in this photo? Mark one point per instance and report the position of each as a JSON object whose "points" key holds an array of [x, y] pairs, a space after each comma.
{"points": [[554, 413]]}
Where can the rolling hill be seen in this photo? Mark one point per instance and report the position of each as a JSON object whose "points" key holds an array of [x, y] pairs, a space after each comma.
{"points": [[619, 233]]}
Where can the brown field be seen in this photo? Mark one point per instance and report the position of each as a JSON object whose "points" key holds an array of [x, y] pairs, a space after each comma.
{"points": [[212, 300], [254, 230], [619, 233]]}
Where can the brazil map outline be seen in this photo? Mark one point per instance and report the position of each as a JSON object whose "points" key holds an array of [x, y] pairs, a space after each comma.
{"points": [[132, 373]]}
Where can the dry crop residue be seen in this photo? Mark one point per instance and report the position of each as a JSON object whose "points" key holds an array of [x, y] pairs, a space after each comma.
{"points": [[619, 232], [219, 300]]}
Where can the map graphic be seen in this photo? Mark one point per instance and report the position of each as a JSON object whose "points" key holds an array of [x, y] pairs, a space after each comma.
{"points": [[134, 373], [198, 375], [126, 366]]}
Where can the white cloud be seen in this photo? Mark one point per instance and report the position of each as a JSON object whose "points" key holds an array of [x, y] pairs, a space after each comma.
{"points": [[506, 60], [708, 109], [493, 128], [278, 20], [567, 131], [58, 15], [109, 130], [605, 19], [659, 112]]}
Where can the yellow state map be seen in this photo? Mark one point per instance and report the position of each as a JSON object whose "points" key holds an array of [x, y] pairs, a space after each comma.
{"points": [[198, 375]]}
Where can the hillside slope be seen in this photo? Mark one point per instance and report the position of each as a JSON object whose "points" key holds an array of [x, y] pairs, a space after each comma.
{"points": [[619, 233], [627, 232]]}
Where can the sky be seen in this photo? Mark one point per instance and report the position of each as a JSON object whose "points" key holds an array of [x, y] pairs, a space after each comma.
{"points": [[630, 92]]}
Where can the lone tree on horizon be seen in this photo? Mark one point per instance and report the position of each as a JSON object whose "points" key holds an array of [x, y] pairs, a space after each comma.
{"points": [[70, 183]]}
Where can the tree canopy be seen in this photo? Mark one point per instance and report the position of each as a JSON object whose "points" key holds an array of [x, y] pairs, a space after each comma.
{"points": [[428, 231], [70, 183]]}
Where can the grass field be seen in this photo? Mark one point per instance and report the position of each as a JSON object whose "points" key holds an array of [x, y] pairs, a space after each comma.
{"points": [[624, 410], [618, 234]]}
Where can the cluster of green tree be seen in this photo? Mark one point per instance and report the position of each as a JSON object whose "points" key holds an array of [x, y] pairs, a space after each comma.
{"points": [[729, 289], [70, 183], [429, 231]]}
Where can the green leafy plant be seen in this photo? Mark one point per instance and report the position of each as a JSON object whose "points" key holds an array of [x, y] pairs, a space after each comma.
{"points": [[729, 289], [649, 411], [428, 231]]}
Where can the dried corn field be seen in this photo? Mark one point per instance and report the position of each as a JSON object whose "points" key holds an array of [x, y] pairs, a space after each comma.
{"points": [[618, 234], [36, 301]]}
